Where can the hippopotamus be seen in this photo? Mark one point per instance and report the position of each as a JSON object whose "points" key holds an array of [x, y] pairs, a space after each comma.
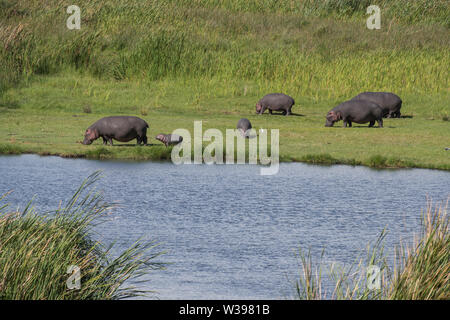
{"points": [[169, 139], [359, 111], [244, 126], [389, 102], [120, 128], [275, 102]]}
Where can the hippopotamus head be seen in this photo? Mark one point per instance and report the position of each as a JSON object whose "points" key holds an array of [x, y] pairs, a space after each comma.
{"points": [[332, 117], [160, 137], [258, 108], [90, 135]]}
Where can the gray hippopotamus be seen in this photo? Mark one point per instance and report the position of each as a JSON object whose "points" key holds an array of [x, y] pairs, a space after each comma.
{"points": [[120, 128], [169, 139], [244, 126], [275, 102], [389, 102], [359, 111]]}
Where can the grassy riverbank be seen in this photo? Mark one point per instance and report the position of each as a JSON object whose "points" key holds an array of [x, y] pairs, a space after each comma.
{"points": [[172, 63], [37, 249]]}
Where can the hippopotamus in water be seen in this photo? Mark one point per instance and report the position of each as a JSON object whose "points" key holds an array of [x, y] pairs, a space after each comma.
{"points": [[389, 102], [275, 102], [169, 139], [244, 126], [120, 128], [359, 111]]}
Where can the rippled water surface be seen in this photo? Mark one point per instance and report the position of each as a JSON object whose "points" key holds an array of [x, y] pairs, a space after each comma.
{"points": [[229, 232]]}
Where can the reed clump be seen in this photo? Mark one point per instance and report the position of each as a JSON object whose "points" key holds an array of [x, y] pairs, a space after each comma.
{"points": [[297, 45], [37, 249], [421, 269]]}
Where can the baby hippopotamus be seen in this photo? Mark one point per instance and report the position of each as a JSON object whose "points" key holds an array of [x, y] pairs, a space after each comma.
{"points": [[169, 139], [359, 111], [275, 102], [120, 128], [244, 127]]}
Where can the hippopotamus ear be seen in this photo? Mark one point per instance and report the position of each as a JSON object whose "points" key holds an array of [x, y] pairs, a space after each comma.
{"points": [[330, 115], [91, 134]]}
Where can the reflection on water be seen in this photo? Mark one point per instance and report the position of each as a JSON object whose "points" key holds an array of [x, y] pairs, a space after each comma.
{"points": [[229, 232]]}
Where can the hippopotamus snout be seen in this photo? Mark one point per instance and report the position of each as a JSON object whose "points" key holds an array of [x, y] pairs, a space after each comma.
{"points": [[89, 136], [86, 141], [332, 117]]}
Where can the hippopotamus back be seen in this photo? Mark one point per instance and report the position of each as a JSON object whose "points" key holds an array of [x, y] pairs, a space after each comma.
{"points": [[275, 102], [388, 101], [358, 111], [244, 126], [120, 128]]}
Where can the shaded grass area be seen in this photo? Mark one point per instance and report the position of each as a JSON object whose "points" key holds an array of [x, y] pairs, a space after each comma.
{"points": [[49, 119], [421, 269], [37, 249]]}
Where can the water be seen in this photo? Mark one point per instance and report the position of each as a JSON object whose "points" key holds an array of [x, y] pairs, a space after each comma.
{"points": [[229, 232]]}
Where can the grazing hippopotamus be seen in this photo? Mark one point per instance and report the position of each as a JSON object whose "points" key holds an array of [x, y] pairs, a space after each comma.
{"points": [[169, 139], [275, 102], [120, 128], [244, 126], [359, 111], [389, 102]]}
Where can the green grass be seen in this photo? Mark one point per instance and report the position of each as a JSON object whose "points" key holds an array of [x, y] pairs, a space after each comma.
{"points": [[36, 250], [173, 62], [50, 120], [421, 270]]}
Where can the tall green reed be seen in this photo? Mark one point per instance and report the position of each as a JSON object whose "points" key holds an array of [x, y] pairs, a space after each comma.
{"points": [[36, 250]]}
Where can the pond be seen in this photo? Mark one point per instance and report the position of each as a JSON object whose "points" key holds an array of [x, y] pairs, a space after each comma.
{"points": [[229, 232]]}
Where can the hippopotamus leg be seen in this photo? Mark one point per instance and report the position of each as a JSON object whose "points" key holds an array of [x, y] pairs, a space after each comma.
{"points": [[104, 141], [380, 123], [110, 141], [371, 124], [270, 111], [349, 123], [141, 136], [264, 109]]}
